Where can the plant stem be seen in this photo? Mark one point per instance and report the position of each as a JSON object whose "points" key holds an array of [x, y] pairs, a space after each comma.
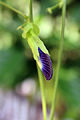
{"points": [[59, 60], [41, 80], [50, 9], [30, 10], [13, 9]]}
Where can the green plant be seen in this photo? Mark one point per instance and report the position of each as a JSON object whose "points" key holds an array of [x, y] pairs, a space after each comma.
{"points": [[30, 31]]}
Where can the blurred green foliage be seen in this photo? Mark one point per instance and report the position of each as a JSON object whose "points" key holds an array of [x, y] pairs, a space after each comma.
{"points": [[16, 61]]}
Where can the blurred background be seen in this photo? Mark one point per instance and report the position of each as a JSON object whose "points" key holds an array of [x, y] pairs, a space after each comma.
{"points": [[20, 97]]}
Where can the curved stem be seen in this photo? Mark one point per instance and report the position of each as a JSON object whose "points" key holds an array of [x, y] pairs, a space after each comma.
{"points": [[41, 80], [50, 9], [59, 60], [13, 9]]}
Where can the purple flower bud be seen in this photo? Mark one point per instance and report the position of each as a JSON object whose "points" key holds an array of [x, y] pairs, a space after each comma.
{"points": [[46, 64]]}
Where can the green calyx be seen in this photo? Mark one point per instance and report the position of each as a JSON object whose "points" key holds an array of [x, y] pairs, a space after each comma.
{"points": [[31, 32], [28, 27]]}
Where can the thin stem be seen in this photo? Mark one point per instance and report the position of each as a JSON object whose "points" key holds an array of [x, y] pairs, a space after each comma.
{"points": [[13, 9], [59, 60], [50, 9], [30, 10], [41, 80]]}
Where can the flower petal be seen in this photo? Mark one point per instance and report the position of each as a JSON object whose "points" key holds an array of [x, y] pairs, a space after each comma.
{"points": [[46, 64]]}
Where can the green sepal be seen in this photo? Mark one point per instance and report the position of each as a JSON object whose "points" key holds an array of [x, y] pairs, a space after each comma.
{"points": [[30, 33], [39, 43], [27, 27], [34, 42]]}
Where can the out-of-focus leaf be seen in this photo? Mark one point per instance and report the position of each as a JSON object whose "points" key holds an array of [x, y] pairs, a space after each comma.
{"points": [[12, 65], [70, 87], [74, 12]]}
